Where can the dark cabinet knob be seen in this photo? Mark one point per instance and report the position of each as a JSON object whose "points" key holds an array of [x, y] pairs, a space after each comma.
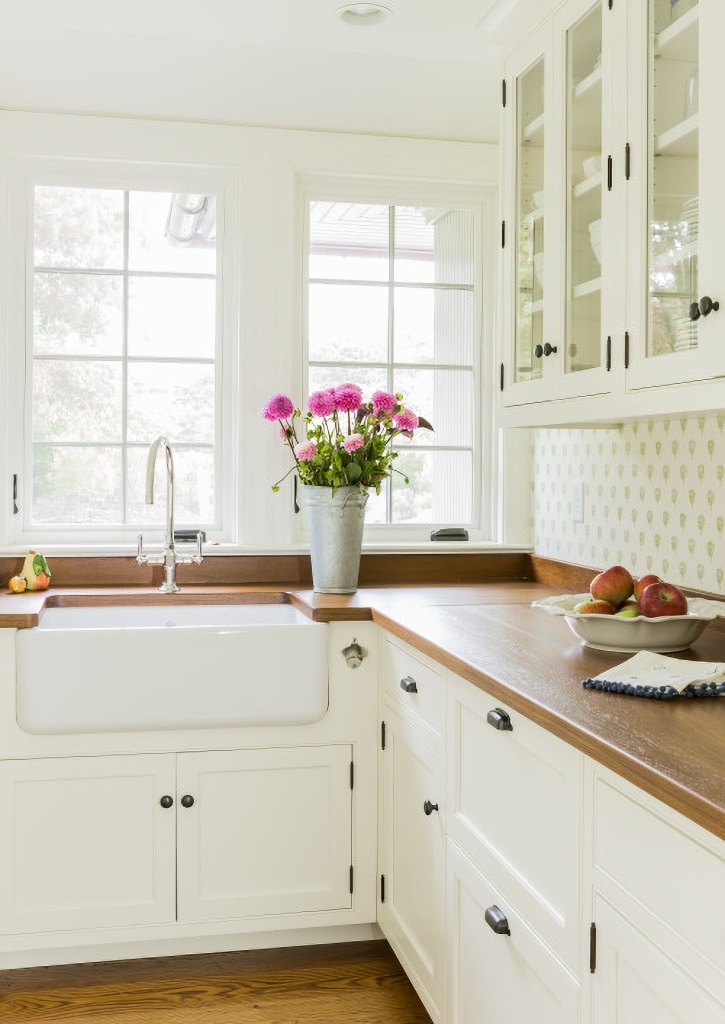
{"points": [[497, 920], [187, 800], [408, 684], [707, 305], [428, 807], [694, 311], [539, 351], [499, 719], [167, 801], [549, 349]]}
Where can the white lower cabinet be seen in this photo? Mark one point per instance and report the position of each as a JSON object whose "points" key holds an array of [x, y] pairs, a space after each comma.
{"points": [[106, 842], [412, 851], [500, 971]]}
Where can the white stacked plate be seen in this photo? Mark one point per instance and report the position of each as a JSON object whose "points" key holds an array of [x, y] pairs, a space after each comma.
{"points": [[691, 217]]}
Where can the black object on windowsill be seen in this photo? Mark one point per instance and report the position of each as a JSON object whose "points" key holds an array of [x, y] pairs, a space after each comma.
{"points": [[188, 536], [450, 533]]}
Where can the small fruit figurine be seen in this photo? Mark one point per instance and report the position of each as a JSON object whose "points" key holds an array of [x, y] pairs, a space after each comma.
{"points": [[17, 584], [35, 571]]}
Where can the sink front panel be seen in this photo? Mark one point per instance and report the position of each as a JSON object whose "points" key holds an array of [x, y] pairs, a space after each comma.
{"points": [[170, 675]]}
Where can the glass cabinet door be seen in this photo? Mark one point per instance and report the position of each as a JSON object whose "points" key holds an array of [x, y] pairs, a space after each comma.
{"points": [[529, 237], [584, 174], [673, 195]]}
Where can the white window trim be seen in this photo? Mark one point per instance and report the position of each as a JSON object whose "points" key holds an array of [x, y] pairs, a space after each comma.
{"points": [[24, 174]]}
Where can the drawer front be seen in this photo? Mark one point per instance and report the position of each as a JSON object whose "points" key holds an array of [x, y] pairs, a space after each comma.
{"points": [[671, 868], [514, 806], [415, 686]]}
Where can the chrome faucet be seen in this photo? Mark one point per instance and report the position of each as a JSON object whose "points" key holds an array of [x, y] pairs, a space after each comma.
{"points": [[169, 558]]}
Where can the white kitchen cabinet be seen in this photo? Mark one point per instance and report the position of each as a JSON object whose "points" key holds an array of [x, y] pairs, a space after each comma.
{"points": [[500, 970], [627, 184], [411, 829], [107, 842], [86, 843]]}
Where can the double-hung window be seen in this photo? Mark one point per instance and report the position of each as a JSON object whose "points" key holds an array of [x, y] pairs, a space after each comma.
{"points": [[123, 344], [394, 305]]}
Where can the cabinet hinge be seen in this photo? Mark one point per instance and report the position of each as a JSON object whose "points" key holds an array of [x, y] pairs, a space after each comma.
{"points": [[500, 384], [16, 508], [382, 888], [626, 350], [382, 735], [609, 352], [627, 162], [503, 92], [352, 775], [351, 877], [592, 947], [503, 234]]}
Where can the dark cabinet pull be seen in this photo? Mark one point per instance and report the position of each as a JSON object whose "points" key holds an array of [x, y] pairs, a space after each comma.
{"points": [[497, 920], [610, 173], [428, 807], [408, 684], [499, 719], [187, 800], [166, 801], [539, 351], [704, 307], [549, 349]]}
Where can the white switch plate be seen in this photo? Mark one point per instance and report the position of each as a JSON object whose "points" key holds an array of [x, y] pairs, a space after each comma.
{"points": [[577, 501]]}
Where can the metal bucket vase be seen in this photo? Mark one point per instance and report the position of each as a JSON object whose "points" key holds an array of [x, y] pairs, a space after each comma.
{"points": [[335, 525]]}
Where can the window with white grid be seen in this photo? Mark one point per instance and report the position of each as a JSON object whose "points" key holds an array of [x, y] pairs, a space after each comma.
{"points": [[393, 304]]}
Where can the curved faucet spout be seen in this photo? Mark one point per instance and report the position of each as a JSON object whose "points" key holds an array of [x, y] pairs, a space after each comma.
{"points": [[150, 472]]}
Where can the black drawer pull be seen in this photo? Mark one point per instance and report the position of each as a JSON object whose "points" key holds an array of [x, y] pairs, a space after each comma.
{"points": [[408, 684], [428, 807], [166, 801], [497, 920], [499, 719], [187, 800]]}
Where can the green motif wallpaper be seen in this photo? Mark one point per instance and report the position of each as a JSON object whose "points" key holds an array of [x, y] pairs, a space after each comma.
{"points": [[654, 498]]}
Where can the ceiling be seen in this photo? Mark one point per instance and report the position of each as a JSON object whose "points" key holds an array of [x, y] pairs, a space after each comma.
{"points": [[431, 72]]}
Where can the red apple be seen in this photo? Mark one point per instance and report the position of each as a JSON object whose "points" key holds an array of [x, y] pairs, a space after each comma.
{"points": [[644, 581], [614, 584], [662, 599], [592, 607]]}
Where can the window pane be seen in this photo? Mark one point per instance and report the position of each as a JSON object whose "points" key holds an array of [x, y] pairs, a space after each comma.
{"points": [[434, 325], [171, 317], [434, 244], [440, 488], [348, 323], [193, 488], [369, 378], [348, 241], [445, 399], [78, 227], [172, 232], [78, 314], [176, 400], [77, 485], [76, 400]]}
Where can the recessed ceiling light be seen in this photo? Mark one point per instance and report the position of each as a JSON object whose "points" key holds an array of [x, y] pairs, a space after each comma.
{"points": [[365, 14]]}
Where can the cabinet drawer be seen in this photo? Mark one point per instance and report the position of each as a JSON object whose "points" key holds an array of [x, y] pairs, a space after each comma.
{"points": [[672, 869], [414, 685], [514, 806]]}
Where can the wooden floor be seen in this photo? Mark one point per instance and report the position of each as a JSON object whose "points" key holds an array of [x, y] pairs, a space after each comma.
{"points": [[350, 983]]}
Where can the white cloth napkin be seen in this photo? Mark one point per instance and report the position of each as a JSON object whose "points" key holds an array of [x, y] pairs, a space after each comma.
{"points": [[655, 675]]}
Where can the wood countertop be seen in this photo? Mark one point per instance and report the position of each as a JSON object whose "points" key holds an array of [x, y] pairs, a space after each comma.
{"points": [[490, 635]]}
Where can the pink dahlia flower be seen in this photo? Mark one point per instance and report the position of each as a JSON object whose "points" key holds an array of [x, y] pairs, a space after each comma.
{"points": [[305, 451], [322, 403], [348, 397], [383, 401], [353, 442], [405, 420], [279, 407]]}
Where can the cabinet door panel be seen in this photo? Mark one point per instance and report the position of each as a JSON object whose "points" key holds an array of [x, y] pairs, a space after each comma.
{"points": [[269, 832], [498, 978], [85, 843], [412, 855]]}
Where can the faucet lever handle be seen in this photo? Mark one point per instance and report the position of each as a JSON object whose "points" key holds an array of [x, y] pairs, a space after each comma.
{"points": [[140, 556]]}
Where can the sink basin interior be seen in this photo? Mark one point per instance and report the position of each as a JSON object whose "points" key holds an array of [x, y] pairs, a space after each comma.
{"points": [[122, 668]]}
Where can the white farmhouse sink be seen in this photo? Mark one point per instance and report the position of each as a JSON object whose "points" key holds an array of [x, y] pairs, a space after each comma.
{"points": [[132, 667]]}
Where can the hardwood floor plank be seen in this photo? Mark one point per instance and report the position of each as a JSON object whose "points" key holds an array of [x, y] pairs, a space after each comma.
{"points": [[350, 983]]}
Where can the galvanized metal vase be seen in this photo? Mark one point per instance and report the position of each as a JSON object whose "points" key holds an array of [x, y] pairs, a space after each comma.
{"points": [[335, 525]]}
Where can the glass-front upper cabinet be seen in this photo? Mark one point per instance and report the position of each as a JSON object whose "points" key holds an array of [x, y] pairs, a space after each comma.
{"points": [[681, 262], [582, 349], [529, 223]]}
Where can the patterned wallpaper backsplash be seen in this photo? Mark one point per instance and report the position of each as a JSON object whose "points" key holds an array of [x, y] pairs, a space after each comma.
{"points": [[654, 498]]}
